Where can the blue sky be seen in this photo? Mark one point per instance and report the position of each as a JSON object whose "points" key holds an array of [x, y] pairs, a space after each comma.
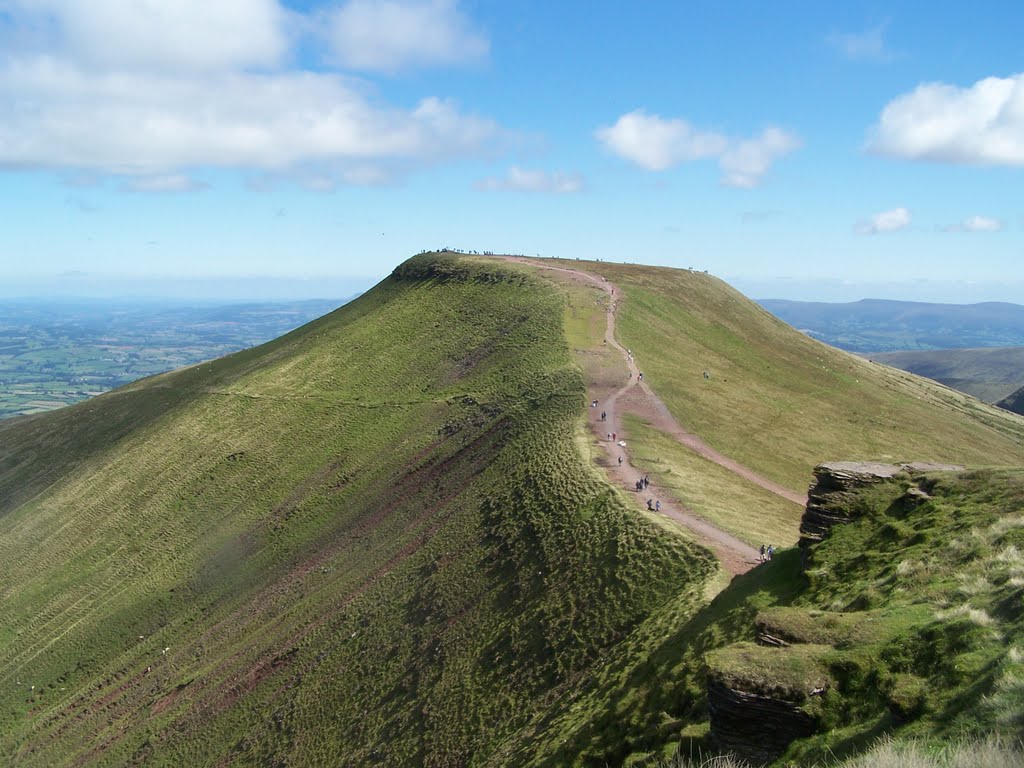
{"points": [[798, 149]]}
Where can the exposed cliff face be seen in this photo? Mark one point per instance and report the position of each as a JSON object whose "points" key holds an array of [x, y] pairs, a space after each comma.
{"points": [[756, 726], [831, 500], [764, 696]]}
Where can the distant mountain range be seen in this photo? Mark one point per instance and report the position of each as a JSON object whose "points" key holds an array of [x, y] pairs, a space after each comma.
{"points": [[878, 325]]}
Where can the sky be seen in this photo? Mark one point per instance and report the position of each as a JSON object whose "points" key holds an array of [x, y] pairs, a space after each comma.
{"points": [[290, 148]]}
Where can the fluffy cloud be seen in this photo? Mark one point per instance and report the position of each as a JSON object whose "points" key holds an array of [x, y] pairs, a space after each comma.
{"points": [[147, 34], [745, 162], [391, 35], [886, 221], [979, 125], [535, 181], [57, 116], [146, 90], [656, 144]]}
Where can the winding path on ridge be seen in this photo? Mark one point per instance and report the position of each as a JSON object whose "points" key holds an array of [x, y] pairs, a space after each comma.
{"points": [[735, 555]]}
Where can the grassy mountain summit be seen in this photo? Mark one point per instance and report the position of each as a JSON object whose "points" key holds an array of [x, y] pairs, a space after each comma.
{"points": [[384, 538], [373, 540]]}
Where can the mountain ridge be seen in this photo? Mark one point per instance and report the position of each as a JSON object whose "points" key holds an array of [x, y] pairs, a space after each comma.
{"points": [[386, 537]]}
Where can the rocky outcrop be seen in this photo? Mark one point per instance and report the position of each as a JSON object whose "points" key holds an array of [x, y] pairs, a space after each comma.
{"points": [[754, 726], [761, 699], [829, 499]]}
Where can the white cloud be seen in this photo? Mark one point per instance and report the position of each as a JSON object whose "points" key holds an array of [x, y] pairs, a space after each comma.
{"points": [[746, 162], [656, 144], [392, 35], [535, 181], [979, 125], [976, 224], [147, 89], [982, 224], [886, 221], [864, 45], [156, 34], [169, 182], [57, 116]]}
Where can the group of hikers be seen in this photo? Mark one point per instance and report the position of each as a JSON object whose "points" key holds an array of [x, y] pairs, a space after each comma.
{"points": [[654, 505], [766, 553]]}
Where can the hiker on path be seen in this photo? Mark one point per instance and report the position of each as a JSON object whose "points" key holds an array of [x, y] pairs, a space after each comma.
{"points": [[650, 505], [640, 377], [604, 415], [609, 437], [639, 486], [657, 506], [620, 461], [647, 480], [771, 551], [613, 437], [762, 553]]}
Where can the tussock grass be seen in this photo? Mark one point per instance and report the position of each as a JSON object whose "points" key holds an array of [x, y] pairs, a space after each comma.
{"points": [[992, 753]]}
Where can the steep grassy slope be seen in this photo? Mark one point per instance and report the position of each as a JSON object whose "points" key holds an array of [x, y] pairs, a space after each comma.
{"points": [[372, 541], [989, 374], [909, 621], [780, 402]]}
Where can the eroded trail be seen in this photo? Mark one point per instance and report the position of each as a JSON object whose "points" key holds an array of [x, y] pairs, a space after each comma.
{"points": [[735, 555]]}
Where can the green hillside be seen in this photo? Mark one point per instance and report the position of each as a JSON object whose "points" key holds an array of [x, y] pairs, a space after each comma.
{"points": [[781, 402], [386, 538], [372, 541], [989, 374], [1013, 402], [909, 620]]}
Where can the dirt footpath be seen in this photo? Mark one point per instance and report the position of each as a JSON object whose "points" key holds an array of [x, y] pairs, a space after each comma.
{"points": [[736, 556]]}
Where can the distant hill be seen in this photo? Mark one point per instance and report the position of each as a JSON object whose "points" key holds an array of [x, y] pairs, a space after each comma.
{"points": [[386, 538], [877, 325], [989, 374], [1013, 402]]}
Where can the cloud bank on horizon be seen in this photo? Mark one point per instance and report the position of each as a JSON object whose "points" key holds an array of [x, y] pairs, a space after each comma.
{"points": [[697, 117]]}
